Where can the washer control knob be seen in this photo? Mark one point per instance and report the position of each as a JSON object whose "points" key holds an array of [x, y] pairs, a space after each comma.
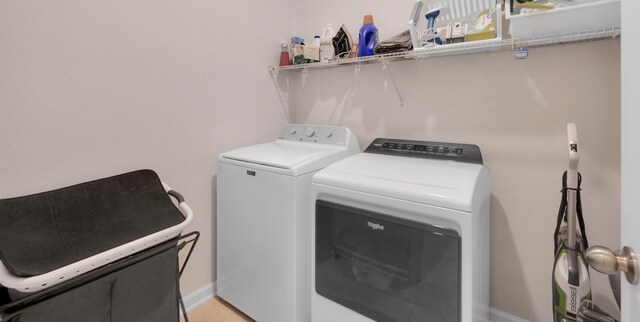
{"points": [[309, 131], [293, 130], [328, 133]]}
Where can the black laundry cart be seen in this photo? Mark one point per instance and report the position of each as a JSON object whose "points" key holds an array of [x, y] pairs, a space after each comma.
{"points": [[105, 250]]}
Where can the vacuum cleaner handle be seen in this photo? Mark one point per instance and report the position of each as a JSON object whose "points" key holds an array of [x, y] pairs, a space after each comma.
{"points": [[574, 179], [572, 183], [572, 136]]}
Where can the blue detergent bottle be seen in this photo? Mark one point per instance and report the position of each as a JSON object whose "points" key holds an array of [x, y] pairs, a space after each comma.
{"points": [[368, 38]]}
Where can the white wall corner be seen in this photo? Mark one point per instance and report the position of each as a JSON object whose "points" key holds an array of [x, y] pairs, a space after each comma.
{"points": [[199, 296]]}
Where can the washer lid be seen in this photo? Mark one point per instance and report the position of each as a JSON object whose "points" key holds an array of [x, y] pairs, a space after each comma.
{"points": [[447, 184], [286, 155]]}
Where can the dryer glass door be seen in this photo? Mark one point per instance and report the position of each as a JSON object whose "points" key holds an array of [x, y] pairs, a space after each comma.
{"points": [[384, 267]]}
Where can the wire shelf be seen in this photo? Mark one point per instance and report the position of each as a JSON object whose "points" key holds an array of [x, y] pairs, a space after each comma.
{"points": [[465, 48]]}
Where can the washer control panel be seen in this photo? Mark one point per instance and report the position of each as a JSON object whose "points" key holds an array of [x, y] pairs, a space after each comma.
{"points": [[322, 134], [426, 149]]}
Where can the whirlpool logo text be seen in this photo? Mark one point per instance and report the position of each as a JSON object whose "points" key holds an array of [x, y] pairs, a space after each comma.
{"points": [[375, 226]]}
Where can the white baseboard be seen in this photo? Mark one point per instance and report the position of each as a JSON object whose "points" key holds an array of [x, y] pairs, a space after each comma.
{"points": [[199, 296], [203, 294], [499, 316]]}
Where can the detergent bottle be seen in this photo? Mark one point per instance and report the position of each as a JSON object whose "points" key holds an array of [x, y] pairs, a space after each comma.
{"points": [[368, 38]]}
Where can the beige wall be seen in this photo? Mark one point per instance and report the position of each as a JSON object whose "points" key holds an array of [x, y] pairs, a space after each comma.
{"points": [[516, 111], [92, 88]]}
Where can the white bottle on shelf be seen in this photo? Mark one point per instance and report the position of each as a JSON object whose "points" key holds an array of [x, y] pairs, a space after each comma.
{"points": [[327, 52]]}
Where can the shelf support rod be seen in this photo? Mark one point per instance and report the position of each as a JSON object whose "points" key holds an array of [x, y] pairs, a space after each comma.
{"points": [[385, 62], [273, 71]]}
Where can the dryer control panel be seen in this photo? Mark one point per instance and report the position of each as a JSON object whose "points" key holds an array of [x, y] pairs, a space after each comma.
{"points": [[425, 149], [322, 134]]}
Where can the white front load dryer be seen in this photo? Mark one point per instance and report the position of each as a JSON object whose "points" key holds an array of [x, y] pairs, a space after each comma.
{"points": [[263, 224], [401, 233]]}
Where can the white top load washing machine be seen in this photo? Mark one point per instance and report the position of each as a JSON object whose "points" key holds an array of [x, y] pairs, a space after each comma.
{"points": [[263, 223], [401, 233]]}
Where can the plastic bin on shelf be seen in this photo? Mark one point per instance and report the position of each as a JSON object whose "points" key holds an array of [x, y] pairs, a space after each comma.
{"points": [[462, 11], [585, 15]]}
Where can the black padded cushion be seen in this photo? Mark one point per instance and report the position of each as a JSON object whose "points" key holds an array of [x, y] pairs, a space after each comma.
{"points": [[43, 232]]}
